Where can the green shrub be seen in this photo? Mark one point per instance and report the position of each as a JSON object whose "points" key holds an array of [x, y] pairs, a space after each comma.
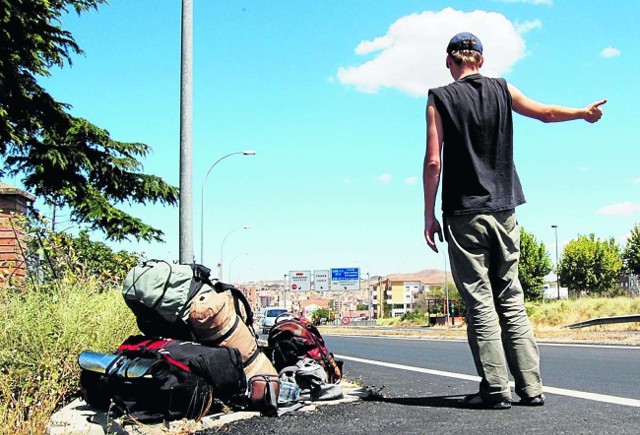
{"points": [[42, 334]]}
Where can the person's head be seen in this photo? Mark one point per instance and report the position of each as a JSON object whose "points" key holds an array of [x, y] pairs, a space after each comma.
{"points": [[465, 50]]}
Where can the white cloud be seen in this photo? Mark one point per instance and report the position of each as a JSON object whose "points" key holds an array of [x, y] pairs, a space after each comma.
{"points": [[346, 181], [384, 178], [411, 180], [610, 52], [531, 2], [622, 209], [527, 26], [584, 168], [636, 181], [411, 55]]}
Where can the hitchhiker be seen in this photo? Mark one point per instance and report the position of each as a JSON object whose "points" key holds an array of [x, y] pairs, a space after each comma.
{"points": [[470, 129]]}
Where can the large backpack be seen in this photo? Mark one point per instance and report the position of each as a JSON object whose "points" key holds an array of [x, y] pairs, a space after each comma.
{"points": [[293, 338], [162, 379], [160, 295]]}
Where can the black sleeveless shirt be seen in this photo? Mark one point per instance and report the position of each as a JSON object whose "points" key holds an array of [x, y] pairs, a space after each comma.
{"points": [[479, 174]]}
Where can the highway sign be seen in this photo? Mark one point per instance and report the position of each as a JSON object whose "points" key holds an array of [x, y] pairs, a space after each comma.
{"points": [[345, 278], [321, 280], [300, 280]]}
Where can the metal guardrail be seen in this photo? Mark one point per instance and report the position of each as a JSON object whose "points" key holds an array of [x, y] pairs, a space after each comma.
{"points": [[605, 321]]}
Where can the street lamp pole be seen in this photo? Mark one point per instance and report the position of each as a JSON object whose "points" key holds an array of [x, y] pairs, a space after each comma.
{"points": [[555, 227], [185, 222], [246, 227], [204, 182], [234, 259], [284, 288], [369, 290]]}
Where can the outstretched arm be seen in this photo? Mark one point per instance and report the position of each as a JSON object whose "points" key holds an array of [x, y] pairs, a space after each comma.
{"points": [[431, 174], [551, 113]]}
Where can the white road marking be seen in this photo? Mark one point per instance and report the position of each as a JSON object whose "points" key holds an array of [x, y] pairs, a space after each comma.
{"points": [[552, 390], [464, 340]]}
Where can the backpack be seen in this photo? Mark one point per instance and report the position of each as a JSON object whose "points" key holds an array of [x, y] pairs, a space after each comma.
{"points": [[151, 380], [293, 338], [160, 295]]}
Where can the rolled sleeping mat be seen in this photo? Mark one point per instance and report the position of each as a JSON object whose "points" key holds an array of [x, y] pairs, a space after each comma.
{"points": [[214, 322], [260, 366]]}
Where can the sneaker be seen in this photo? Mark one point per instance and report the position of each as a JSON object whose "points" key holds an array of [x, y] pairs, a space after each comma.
{"points": [[533, 401], [476, 401]]}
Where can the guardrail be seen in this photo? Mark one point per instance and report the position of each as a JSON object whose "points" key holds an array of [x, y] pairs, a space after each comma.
{"points": [[605, 321]]}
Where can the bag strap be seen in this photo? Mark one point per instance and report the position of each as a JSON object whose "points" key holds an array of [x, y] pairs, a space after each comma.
{"points": [[238, 297], [317, 339], [151, 344], [149, 267]]}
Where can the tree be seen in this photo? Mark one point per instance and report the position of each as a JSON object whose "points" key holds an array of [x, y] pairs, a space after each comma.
{"points": [[631, 254], [65, 160], [63, 255], [533, 267], [321, 316], [590, 265]]}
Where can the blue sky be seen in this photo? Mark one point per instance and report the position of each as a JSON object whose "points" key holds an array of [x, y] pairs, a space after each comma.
{"points": [[331, 96]]}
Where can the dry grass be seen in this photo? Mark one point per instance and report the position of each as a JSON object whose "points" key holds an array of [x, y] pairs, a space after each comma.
{"points": [[549, 320]]}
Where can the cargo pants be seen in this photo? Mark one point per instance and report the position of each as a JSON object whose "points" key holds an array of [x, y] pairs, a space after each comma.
{"points": [[484, 251]]}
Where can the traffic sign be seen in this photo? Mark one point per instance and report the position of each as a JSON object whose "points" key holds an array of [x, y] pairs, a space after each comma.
{"points": [[321, 280], [300, 280], [345, 278]]}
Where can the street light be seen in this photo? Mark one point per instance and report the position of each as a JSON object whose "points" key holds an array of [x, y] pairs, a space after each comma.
{"points": [[246, 227], [234, 259], [555, 227], [369, 290], [284, 288], [204, 181]]}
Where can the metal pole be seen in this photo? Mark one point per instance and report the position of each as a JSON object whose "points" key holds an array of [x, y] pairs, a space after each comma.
{"points": [[370, 296], [204, 182], [284, 287], [231, 264], [185, 224], [246, 227], [555, 227]]}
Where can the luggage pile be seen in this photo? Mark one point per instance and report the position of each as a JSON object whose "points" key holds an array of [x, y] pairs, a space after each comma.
{"points": [[198, 353]]}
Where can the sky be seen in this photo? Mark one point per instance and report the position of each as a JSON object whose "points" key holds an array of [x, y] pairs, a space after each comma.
{"points": [[331, 97]]}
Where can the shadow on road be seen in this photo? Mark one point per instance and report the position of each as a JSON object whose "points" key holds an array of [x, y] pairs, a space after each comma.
{"points": [[431, 402]]}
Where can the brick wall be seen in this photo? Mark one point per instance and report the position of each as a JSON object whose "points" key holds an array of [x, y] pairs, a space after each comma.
{"points": [[13, 204]]}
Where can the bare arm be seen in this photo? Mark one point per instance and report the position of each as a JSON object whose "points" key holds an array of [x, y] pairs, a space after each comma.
{"points": [[552, 113], [431, 174]]}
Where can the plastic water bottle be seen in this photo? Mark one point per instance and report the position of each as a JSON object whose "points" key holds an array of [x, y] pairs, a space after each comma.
{"points": [[289, 392]]}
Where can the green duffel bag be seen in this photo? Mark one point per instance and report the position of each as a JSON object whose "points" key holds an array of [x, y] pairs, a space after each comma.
{"points": [[160, 294]]}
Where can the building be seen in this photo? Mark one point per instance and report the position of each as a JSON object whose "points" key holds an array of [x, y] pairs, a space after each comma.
{"points": [[14, 203], [630, 283], [400, 292]]}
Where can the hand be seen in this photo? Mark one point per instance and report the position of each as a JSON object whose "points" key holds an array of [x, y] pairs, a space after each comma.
{"points": [[431, 228], [594, 112]]}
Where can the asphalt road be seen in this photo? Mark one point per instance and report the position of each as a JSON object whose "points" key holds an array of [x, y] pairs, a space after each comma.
{"points": [[590, 390]]}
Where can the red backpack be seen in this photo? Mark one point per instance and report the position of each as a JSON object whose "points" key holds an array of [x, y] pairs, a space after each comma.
{"points": [[293, 338]]}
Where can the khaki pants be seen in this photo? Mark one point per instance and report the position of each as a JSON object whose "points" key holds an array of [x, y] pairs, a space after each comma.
{"points": [[484, 250]]}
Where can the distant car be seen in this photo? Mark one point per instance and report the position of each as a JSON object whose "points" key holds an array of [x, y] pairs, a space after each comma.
{"points": [[269, 317]]}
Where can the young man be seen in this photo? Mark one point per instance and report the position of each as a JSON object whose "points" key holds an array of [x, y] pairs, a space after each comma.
{"points": [[469, 125]]}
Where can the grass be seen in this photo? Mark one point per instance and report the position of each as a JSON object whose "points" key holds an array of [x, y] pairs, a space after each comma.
{"points": [[548, 319], [43, 332], [41, 337]]}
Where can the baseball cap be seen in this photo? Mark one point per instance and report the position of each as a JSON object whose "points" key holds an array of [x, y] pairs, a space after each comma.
{"points": [[464, 41]]}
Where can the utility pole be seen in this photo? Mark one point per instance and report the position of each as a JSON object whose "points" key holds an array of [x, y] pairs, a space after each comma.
{"points": [[185, 223], [555, 227]]}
